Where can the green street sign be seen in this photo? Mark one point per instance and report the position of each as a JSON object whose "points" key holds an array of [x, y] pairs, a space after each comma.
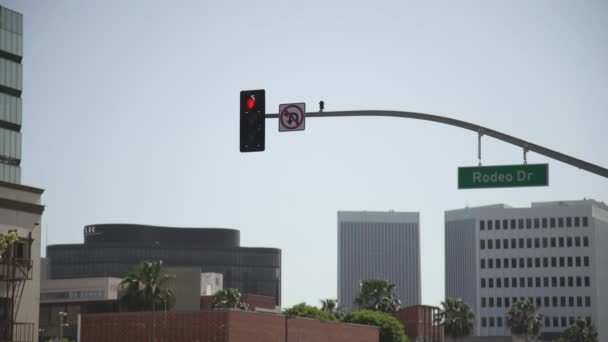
{"points": [[503, 176]]}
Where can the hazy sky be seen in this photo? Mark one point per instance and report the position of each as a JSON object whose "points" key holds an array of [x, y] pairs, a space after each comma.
{"points": [[131, 114]]}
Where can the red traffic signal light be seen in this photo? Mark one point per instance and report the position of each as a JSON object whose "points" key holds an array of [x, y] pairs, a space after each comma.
{"points": [[250, 102], [252, 120]]}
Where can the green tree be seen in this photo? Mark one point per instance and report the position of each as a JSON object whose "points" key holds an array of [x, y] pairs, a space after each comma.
{"points": [[146, 288], [391, 329], [331, 305], [523, 319], [6, 240], [229, 299], [308, 311], [581, 331], [457, 318], [377, 295]]}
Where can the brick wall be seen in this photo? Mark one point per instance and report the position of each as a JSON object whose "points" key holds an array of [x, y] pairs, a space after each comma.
{"points": [[218, 326]]}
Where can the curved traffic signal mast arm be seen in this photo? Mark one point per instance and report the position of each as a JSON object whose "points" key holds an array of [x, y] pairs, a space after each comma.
{"points": [[581, 164]]}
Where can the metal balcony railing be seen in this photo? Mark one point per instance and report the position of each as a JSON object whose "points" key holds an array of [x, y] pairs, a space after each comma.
{"points": [[15, 269]]}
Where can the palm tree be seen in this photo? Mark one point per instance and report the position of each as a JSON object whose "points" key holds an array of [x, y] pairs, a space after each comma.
{"points": [[523, 319], [229, 299], [457, 318], [378, 295], [329, 305], [581, 331], [146, 288]]}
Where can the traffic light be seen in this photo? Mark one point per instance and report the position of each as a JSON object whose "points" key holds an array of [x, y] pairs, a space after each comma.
{"points": [[253, 123]]}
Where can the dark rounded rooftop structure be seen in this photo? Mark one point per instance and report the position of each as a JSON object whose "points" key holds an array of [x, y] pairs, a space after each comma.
{"points": [[143, 235], [112, 250]]}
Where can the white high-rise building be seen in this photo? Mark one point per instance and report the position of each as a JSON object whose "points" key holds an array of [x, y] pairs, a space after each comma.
{"points": [[379, 245], [553, 253]]}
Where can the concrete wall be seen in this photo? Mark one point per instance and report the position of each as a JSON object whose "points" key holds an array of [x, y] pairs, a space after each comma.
{"points": [[186, 286], [20, 210], [600, 264]]}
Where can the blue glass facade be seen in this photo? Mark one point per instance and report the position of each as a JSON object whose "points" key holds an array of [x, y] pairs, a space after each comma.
{"points": [[11, 85]]}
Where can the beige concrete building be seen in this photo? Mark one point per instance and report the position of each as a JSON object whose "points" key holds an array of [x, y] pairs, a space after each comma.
{"points": [[20, 211]]}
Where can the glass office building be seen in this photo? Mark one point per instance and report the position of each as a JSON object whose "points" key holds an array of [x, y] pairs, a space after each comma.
{"points": [[11, 76], [112, 250]]}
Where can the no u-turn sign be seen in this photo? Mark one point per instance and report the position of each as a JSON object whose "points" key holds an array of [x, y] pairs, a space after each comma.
{"points": [[292, 117]]}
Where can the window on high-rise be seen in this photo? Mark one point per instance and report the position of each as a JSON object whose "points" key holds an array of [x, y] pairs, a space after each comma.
{"points": [[536, 223], [553, 261], [499, 283], [545, 262], [513, 224], [530, 282], [577, 241], [505, 243], [505, 224], [587, 301], [490, 263], [561, 242], [562, 301], [484, 323], [528, 223], [483, 263], [529, 243], [537, 281], [513, 243], [553, 242], [529, 261], [586, 241], [498, 263], [505, 262], [490, 242], [491, 302], [482, 244], [578, 261], [520, 223], [562, 281], [570, 281], [482, 225], [568, 222], [497, 243], [499, 302], [569, 241], [483, 283], [483, 302], [570, 261], [522, 282], [545, 242], [499, 322], [545, 281], [491, 283], [537, 262], [585, 222], [544, 222], [579, 281], [546, 302], [586, 261], [514, 282], [560, 222], [552, 222], [506, 281], [571, 301], [554, 301], [507, 302], [579, 301], [489, 224], [491, 322], [497, 224], [587, 281], [577, 221], [522, 263]]}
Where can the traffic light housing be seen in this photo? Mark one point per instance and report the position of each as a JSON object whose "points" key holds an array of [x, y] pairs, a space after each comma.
{"points": [[253, 120]]}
